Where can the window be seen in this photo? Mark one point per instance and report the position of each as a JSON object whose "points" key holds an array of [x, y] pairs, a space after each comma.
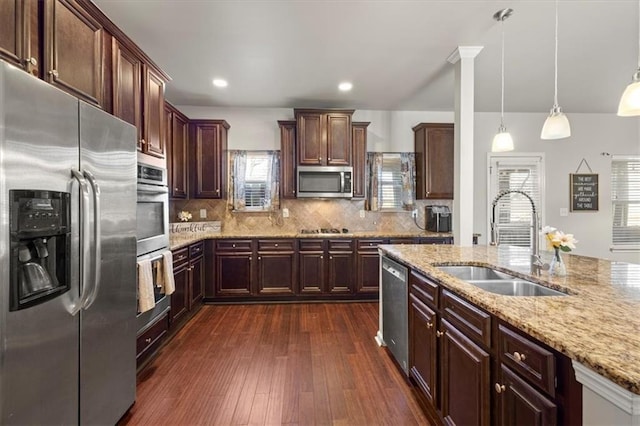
{"points": [[254, 180], [391, 181], [513, 212], [625, 198]]}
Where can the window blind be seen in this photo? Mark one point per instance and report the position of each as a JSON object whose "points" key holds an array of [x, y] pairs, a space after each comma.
{"points": [[625, 198], [513, 211], [255, 185], [391, 182]]}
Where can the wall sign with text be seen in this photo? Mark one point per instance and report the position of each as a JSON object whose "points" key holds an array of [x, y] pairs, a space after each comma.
{"points": [[584, 191]]}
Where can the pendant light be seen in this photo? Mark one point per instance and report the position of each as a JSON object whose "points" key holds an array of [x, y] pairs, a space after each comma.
{"points": [[630, 100], [556, 126], [502, 141]]}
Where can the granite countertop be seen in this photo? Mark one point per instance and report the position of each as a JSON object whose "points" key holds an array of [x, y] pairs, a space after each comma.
{"points": [[598, 324], [181, 239]]}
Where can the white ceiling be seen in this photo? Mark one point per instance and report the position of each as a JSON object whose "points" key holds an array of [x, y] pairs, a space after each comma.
{"points": [[293, 53]]}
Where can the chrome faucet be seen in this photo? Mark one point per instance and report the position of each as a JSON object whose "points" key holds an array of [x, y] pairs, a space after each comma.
{"points": [[536, 262]]}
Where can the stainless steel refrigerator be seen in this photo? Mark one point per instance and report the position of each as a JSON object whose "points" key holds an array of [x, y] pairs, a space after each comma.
{"points": [[67, 257]]}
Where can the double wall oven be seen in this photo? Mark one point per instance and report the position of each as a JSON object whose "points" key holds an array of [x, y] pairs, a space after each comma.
{"points": [[152, 231]]}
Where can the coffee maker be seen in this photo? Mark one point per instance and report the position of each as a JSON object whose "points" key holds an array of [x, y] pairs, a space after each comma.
{"points": [[40, 246]]}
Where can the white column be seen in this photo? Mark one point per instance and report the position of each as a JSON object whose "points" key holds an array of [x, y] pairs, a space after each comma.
{"points": [[463, 58]]}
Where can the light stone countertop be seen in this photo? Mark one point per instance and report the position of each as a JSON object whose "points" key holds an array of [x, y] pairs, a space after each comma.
{"points": [[598, 324], [182, 239]]}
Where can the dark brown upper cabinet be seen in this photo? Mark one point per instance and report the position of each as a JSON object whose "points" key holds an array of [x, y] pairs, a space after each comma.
{"points": [[15, 33], [73, 50], [434, 160], [323, 137], [359, 157], [208, 155], [138, 98], [177, 142], [288, 159]]}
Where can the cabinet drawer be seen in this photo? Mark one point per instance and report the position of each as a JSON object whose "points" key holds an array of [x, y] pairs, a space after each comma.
{"points": [[436, 240], [528, 358], [311, 245], [276, 245], [196, 250], [369, 244], [402, 241], [233, 245], [424, 289], [180, 256], [340, 245], [152, 337], [473, 321]]}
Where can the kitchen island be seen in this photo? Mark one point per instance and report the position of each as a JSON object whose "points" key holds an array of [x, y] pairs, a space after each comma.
{"points": [[596, 325]]}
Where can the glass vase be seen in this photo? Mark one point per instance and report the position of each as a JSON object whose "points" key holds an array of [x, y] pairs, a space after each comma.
{"points": [[557, 267]]}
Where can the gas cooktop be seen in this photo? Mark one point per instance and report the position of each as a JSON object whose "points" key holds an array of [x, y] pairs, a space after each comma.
{"points": [[324, 231]]}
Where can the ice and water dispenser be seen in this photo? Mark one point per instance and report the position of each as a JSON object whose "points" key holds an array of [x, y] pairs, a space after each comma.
{"points": [[40, 246]]}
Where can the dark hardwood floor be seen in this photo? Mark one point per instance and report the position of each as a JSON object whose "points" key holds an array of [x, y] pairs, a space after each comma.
{"points": [[276, 364]]}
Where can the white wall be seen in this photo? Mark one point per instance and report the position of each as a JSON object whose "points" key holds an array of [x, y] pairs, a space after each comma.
{"points": [[592, 134], [257, 128]]}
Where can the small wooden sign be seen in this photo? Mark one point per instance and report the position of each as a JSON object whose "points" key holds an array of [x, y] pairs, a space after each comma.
{"points": [[584, 191]]}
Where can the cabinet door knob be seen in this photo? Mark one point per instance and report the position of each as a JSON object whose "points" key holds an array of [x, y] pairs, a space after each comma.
{"points": [[319, 158], [330, 257], [54, 73], [143, 142], [233, 245], [430, 325], [175, 189], [147, 340], [31, 61], [439, 333], [500, 388], [321, 257], [329, 159], [276, 245], [519, 357], [259, 258]]}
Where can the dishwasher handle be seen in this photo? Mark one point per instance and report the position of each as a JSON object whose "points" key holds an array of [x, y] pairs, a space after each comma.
{"points": [[393, 271]]}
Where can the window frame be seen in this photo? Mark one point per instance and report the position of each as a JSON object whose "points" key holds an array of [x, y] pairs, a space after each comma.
{"points": [[635, 244], [525, 159]]}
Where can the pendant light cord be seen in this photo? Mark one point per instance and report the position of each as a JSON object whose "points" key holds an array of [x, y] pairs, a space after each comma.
{"points": [[555, 92], [638, 34], [502, 87]]}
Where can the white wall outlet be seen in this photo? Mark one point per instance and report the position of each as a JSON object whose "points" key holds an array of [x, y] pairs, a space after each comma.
{"points": [[414, 213], [362, 214], [203, 213], [285, 212], [564, 211]]}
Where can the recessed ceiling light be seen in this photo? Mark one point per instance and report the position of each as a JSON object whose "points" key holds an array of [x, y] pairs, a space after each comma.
{"points": [[345, 86], [219, 82]]}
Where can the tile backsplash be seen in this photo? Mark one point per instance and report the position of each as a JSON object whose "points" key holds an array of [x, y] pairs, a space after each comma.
{"points": [[306, 214]]}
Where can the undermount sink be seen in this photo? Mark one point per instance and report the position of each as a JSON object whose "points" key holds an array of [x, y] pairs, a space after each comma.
{"points": [[498, 282]]}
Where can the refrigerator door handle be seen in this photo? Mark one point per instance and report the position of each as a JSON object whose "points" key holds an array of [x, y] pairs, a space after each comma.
{"points": [[97, 243], [84, 246]]}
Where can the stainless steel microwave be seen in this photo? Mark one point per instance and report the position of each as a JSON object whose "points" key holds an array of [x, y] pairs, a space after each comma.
{"points": [[325, 182]]}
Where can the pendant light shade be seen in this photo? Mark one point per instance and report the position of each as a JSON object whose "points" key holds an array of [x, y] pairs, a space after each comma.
{"points": [[502, 141], [630, 101], [556, 125]]}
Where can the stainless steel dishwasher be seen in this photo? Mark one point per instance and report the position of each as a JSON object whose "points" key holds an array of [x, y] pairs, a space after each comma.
{"points": [[394, 311]]}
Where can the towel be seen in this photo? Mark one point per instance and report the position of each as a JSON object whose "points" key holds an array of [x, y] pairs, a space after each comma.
{"points": [[164, 278], [146, 300]]}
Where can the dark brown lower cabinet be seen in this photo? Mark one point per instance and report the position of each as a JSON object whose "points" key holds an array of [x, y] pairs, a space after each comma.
{"points": [[312, 269], [368, 266], [521, 404], [233, 274], [277, 269], [423, 348], [341, 272], [180, 297], [189, 277], [466, 379]]}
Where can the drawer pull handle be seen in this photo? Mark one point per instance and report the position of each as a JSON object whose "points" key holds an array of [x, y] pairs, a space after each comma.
{"points": [[147, 340], [500, 388], [519, 357], [439, 333]]}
